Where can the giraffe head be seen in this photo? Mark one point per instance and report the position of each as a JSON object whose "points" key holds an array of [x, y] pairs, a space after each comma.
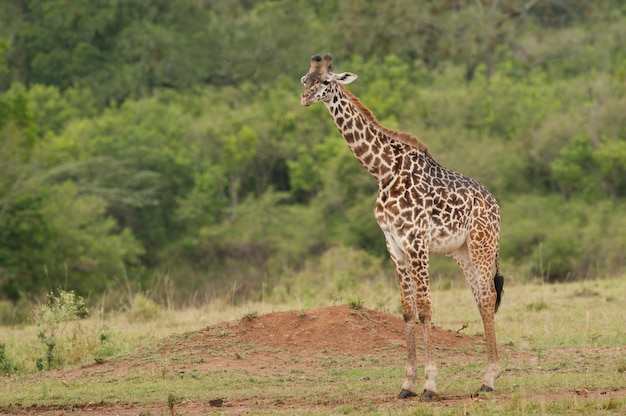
{"points": [[321, 82]]}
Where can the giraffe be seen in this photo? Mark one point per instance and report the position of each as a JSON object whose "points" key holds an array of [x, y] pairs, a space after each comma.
{"points": [[422, 208]]}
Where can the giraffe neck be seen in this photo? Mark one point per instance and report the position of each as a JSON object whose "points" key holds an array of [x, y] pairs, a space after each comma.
{"points": [[377, 148]]}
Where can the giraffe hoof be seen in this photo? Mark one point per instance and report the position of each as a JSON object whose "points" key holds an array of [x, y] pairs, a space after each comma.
{"points": [[427, 394], [484, 389], [405, 394]]}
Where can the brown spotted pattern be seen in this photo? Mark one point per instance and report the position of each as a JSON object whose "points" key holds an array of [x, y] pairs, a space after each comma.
{"points": [[422, 208]]}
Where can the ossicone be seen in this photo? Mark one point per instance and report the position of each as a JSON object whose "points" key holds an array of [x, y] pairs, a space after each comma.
{"points": [[327, 63], [315, 63]]}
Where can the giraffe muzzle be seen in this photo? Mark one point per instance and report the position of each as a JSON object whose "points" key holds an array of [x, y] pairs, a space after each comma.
{"points": [[305, 101]]}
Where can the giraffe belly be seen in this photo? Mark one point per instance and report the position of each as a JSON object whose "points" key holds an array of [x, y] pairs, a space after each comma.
{"points": [[444, 241], [438, 241]]}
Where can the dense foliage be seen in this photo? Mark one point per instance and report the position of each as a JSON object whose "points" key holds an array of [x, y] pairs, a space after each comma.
{"points": [[161, 144]]}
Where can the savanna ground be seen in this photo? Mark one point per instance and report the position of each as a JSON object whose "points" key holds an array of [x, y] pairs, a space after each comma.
{"points": [[562, 350]]}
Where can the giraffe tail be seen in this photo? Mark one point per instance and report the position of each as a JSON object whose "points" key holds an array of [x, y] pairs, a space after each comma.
{"points": [[498, 281]]}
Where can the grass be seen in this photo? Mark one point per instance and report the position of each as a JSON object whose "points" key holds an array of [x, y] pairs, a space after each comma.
{"points": [[544, 315], [560, 339], [121, 332]]}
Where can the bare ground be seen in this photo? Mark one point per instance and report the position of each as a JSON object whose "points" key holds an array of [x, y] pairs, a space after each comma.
{"points": [[283, 342]]}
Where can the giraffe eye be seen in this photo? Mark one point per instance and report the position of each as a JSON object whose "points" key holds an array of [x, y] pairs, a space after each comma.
{"points": [[326, 82]]}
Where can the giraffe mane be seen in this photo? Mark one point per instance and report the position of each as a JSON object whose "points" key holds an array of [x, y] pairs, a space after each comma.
{"points": [[401, 136]]}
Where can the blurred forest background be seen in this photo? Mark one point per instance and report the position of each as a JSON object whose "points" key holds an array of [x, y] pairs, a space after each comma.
{"points": [[159, 146]]}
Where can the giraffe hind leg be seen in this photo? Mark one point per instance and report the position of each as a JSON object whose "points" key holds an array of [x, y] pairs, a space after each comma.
{"points": [[493, 369], [488, 294]]}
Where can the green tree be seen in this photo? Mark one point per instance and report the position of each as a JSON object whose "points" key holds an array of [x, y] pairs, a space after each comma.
{"points": [[304, 175], [88, 247], [611, 155], [136, 160], [3, 48], [18, 136], [576, 168], [116, 49], [53, 109], [49, 233], [238, 152]]}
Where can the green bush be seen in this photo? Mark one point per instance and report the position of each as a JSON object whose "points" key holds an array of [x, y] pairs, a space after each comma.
{"points": [[337, 274], [52, 319], [559, 239], [7, 366], [143, 309]]}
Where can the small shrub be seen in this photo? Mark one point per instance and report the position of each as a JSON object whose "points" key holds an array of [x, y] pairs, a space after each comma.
{"points": [[6, 363], [143, 309], [105, 348], [51, 318], [250, 316], [62, 308], [49, 342], [356, 304]]}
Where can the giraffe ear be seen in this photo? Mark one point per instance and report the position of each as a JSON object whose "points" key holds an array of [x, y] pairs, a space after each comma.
{"points": [[345, 77]]}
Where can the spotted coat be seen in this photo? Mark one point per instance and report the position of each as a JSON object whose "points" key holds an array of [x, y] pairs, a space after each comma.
{"points": [[422, 208]]}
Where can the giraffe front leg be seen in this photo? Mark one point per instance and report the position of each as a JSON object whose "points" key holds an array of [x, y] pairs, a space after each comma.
{"points": [[420, 271], [412, 267], [410, 372], [407, 292], [430, 368], [409, 304], [420, 298]]}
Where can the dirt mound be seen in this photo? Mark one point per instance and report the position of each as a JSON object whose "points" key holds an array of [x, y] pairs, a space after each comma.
{"points": [[339, 329], [261, 343], [282, 341]]}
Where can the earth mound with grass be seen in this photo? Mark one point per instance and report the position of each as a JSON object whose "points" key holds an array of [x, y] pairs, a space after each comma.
{"points": [[300, 338], [311, 343], [283, 342], [329, 360]]}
